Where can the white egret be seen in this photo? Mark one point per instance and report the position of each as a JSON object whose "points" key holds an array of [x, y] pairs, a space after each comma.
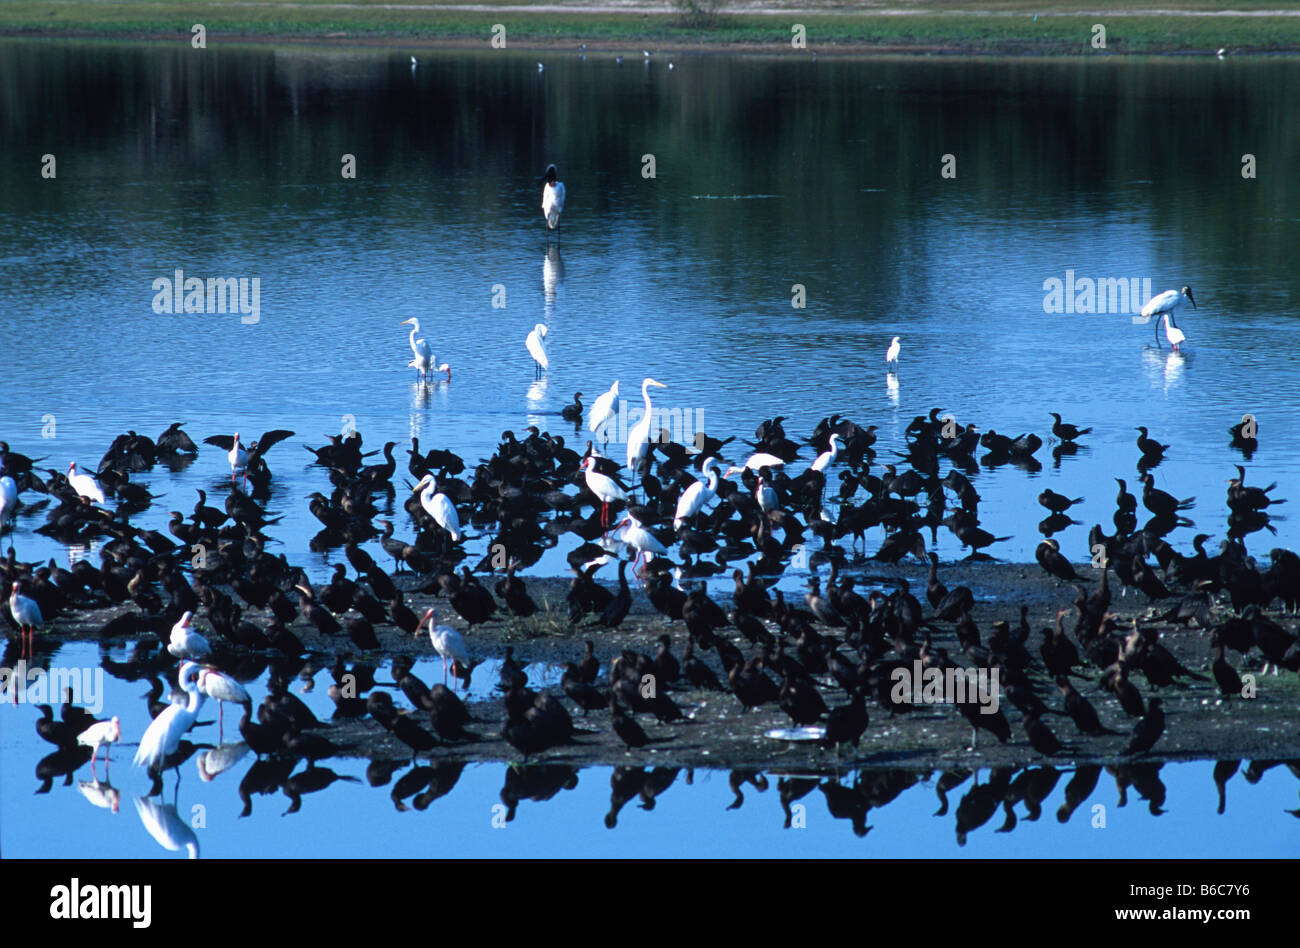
{"points": [[891, 357], [1173, 333], [221, 688], [638, 439], [28, 616], [697, 496], [602, 410], [164, 734], [536, 345], [185, 642], [552, 198], [604, 487], [9, 499], [640, 539], [827, 458], [757, 462], [99, 734], [84, 484], [438, 506], [421, 351], [447, 642], [1166, 302]]}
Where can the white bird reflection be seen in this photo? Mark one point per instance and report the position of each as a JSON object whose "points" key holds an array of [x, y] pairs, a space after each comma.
{"points": [[213, 763], [101, 793], [1166, 367], [167, 828], [552, 275], [891, 385]]}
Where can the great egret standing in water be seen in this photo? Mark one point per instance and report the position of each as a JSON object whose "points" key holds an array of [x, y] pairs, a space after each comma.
{"points": [[638, 439], [891, 357], [1166, 302], [164, 734], [423, 361], [536, 345], [602, 410]]}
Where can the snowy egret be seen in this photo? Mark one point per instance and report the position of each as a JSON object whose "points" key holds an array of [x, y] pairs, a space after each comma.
{"points": [[164, 734], [1166, 302], [552, 198], [697, 496], [85, 485], [28, 616], [827, 458], [602, 410], [438, 506], [536, 345], [604, 487], [638, 439], [891, 357], [447, 642]]}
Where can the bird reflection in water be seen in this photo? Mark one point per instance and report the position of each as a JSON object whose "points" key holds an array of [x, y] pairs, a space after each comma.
{"points": [[167, 828]]}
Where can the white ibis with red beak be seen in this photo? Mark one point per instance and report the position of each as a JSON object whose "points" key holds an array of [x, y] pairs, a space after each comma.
{"points": [[221, 688], [604, 487], [85, 485], [448, 643], [98, 735], [640, 539], [28, 616]]}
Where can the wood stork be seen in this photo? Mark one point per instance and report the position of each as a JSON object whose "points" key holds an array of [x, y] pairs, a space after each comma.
{"points": [[697, 496], [640, 539], [891, 356], [9, 500], [98, 735], [447, 642], [165, 731], [221, 688], [552, 198], [421, 351], [827, 457], [1166, 302], [604, 487], [438, 506], [602, 411], [536, 345], [28, 616], [638, 439], [85, 485], [185, 642], [1172, 332]]}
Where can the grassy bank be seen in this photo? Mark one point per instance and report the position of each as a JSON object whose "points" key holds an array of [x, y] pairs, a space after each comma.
{"points": [[991, 27]]}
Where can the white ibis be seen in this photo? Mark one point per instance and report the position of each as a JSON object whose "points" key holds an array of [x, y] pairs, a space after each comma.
{"points": [[640, 539], [164, 733], [28, 616], [552, 196], [697, 496], [447, 642], [638, 439], [221, 688], [604, 487], [238, 459], [185, 642], [1166, 302], [438, 506], [891, 356], [602, 411], [536, 345], [98, 735], [85, 485]]}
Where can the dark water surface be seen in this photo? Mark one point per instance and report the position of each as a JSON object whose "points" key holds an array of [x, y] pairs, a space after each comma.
{"points": [[769, 172]]}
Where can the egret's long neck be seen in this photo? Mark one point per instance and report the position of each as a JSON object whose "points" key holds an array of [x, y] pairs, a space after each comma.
{"points": [[713, 481], [415, 328], [645, 393], [196, 699]]}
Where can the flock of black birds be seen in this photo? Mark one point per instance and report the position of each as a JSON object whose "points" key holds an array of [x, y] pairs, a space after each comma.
{"points": [[522, 500]]}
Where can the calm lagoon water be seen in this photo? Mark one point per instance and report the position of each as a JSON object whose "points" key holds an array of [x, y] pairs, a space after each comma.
{"points": [[770, 172]]}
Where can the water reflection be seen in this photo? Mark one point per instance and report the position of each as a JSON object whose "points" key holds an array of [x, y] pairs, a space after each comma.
{"points": [[165, 825]]}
